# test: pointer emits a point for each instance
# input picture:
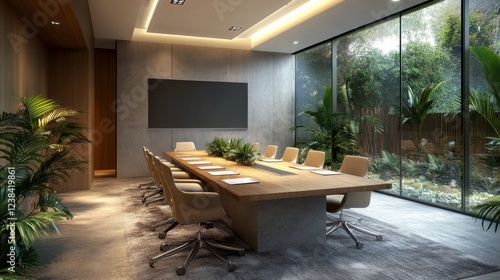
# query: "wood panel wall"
(104, 133)
(23, 61)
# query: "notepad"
(191, 158)
(304, 167)
(209, 167)
(326, 172)
(270, 159)
(199, 162)
(225, 172)
(238, 181)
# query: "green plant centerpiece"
(243, 154)
(36, 144)
(217, 147)
(233, 149)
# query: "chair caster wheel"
(162, 235)
(231, 267)
(359, 245)
(241, 252)
(181, 271)
(164, 247)
(152, 228)
(151, 264)
(379, 237)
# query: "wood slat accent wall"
(69, 85)
(104, 134)
(23, 63)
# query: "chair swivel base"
(199, 242)
(348, 227)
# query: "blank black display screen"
(197, 104)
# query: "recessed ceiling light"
(235, 28)
(177, 2)
(55, 22)
(295, 42)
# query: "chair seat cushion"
(334, 202)
(189, 187)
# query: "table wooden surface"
(271, 186)
(280, 211)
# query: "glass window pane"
(432, 141)
(368, 99)
(484, 172)
(313, 75)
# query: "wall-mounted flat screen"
(197, 104)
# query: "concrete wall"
(271, 93)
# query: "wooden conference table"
(280, 210)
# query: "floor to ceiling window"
(484, 154)
(313, 80)
(432, 137)
(396, 96)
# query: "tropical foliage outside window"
(380, 74)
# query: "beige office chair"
(315, 159)
(291, 154)
(270, 151)
(185, 146)
(358, 166)
(187, 210)
(151, 183)
(187, 185)
(255, 147)
(156, 193)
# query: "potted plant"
(36, 144)
(217, 147)
(243, 154)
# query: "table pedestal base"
(278, 224)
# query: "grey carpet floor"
(401, 255)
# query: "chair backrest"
(271, 151)
(255, 147)
(315, 159)
(154, 172)
(166, 192)
(355, 165)
(358, 166)
(185, 146)
(191, 207)
(149, 159)
(291, 154)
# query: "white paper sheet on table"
(208, 167)
(199, 162)
(191, 158)
(326, 172)
(270, 159)
(225, 172)
(304, 167)
(237, 181)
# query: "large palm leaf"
(490, 63)
(37, 141)
(489, 210)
